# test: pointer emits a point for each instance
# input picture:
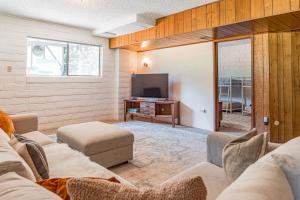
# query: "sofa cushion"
(38, 137)
(66, 162)
(25, 123)
(33, 154)
(16, 187)
(215, 145)
(291, 148)
(213, 177)
(240, 153)
(291, 167)
(264, 179)
(4, 135)
(85, 188)
(10, 161)
(94, 137)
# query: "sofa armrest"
(215, 145)
(25, 123)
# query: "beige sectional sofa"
(62, 160)
(262, 180)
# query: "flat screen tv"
(150, 85)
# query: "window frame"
(68, 43)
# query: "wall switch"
(9, 68)
(266, 121)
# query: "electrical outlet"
(8, 68)
(204, 111)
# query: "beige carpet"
(161, 152)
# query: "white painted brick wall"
(56, 103)
(126, 65)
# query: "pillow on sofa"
(291, 167)
(84, 188)
(11, 161)
(6, 124)
(240, 153)
(4, 135)
(15, 187)
(33, 154)
(260, 181)
(59, 185)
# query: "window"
(57, 58)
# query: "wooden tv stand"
(153, 109)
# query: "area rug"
(161, 152)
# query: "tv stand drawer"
(147, 108)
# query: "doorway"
(234, 92)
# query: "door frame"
(216, 78)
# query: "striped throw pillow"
(33, 154)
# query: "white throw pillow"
(10, 161)
(4, 135)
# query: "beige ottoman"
(106, 144)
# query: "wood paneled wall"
(221, 13)
(277, 83)
(261, 80)
(284, 85)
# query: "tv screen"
(150, 85)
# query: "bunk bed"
(246, 85)
(232, 94)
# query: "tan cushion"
(25, 123)
(84, 188)
(39, 137)
(33, 154)
(261, 181)
(10, 161)
(66, 162)
(15, 187)
(4, 135)
(264, 180)
(213, 177)
(94, 137)
(291, 148)
(240, 153)
(291, 168)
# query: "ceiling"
(96, 15)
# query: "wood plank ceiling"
(222, 19)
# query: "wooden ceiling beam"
(225, 18)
